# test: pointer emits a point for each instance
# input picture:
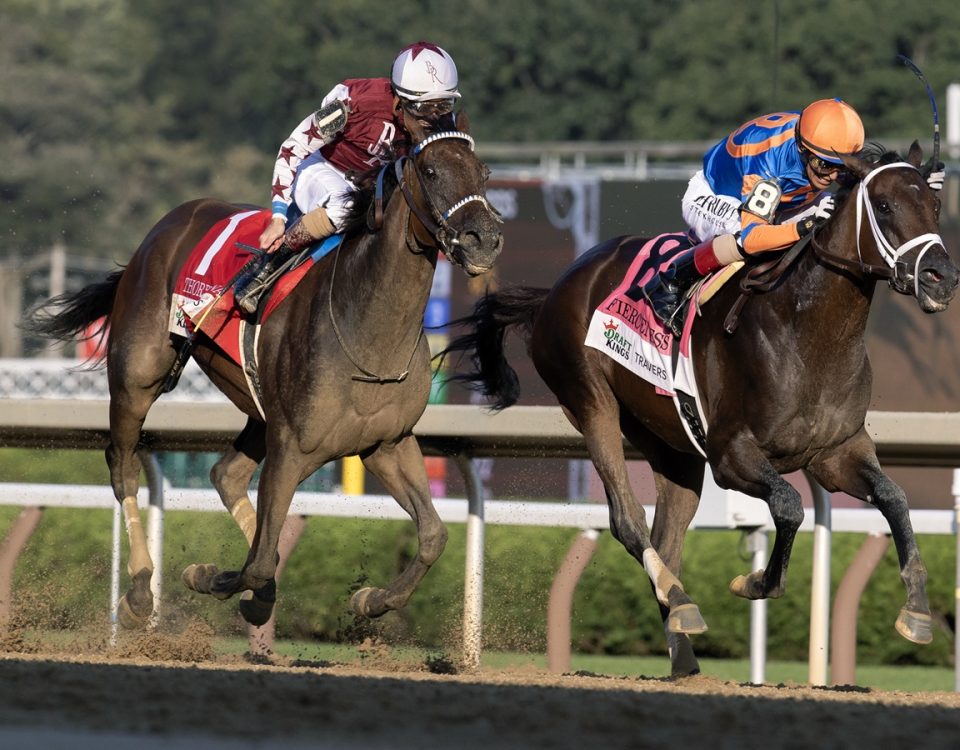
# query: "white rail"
(462, 432)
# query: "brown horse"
(788, 389)
(343, 366)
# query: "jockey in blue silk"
(359, 127)
(764, 170)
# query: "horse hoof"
(128, 619)
(368, 602)
(915, 626)
(255, 611)
(738, 586)
(226, 584)
(199, 577)
(686, 619)
(256, 607)
(750, 586)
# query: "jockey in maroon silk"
(358, 127)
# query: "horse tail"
(492, 317)
(66, 317)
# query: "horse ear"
(915, 155)
(463, 122)
(857, 166)
(414, 127)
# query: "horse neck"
(827, 298)
(384, 281)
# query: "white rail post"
(151, 468)
(757, 544)
(114, 574)
(820, 586)
(473, 566)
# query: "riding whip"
(935, 159)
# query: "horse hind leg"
(231, 477)
(601, 430)
(679, 480)
(401, 470)
(133, 389)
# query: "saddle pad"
(203, 295)
(624, 327)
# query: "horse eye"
(430, 172)
(883, 207)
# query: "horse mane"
(359, 219)
(875, 154)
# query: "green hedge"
(63, 580)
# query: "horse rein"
(763, 277)
(436, 224)
(888, 252)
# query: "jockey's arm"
(317, 129)
(302, 142)
(757, 236)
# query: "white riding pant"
(707, 214)
(319, 183)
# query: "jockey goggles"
(431, 108)
(821, 167)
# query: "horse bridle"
(896, 271)
(436, 223)
(765, 276)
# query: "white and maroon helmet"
(424, 72)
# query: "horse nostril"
(469, 241)
(931, 276)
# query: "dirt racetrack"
(54, 701)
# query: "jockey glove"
(936, 176)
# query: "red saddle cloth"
(200, 298)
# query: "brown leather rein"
(435, 223)
(763, 277)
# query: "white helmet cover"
(423, 71)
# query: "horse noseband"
(437, 223)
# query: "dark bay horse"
(788, 389)
(343, 366)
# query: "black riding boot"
(250, 288)
(665, 290)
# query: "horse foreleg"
(400, 469)
(278, 481)
(231, 478)
(854, 469)
(744, 468)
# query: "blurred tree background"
(114, 111)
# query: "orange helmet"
(829, 127)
